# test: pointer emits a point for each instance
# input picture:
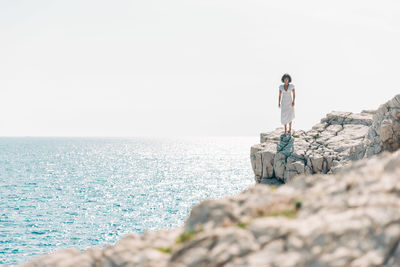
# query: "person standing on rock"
(285, 94)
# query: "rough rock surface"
(351, 218)
(339, 138)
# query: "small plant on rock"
(242, 224)
(165, 250)
(185, 236)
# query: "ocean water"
(82, 192)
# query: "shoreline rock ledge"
(339, 138)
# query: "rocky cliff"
(350, 217)
(339, 138)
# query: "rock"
(329, 145)
(149, 249)
(218, 210)
(263, 159)
(384, 133)
(279, 165)
(316, 163)
(351, 218)
(215, 248)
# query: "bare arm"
(294, 96)
(279, 101)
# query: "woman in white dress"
(285, 93)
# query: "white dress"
(287, 111)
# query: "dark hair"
(286, 75)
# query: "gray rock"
(279, 165)
(340, 137)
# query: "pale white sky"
(190, 67)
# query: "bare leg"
(290, 126)
(285, 128)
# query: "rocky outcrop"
(351, 218)
(332, 211)
(384, 134)
(339, 138)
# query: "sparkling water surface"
(82, 192)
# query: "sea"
(58, 192)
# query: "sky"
(190, 67)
